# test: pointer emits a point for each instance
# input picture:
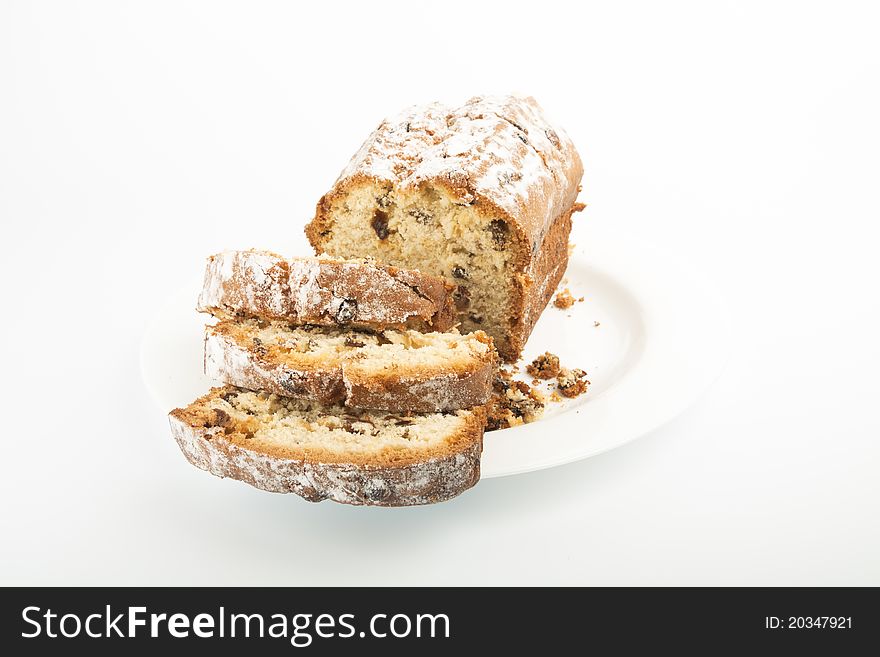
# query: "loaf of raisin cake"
(325, 291)
(481, 194)
(394, 370)
(330, 452)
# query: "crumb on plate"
(545, 366)
(513, 402)
(563, 299)
(572, 383)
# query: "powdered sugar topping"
(500, 148)
(245, 280)
(304, 288)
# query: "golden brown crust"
(537, 284)
(326, 292)
(427, 392)
(370, 295)
(213, 441)
(350, 377)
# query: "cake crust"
(325, 291)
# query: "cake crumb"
(572, 383)
(545, 366)
(564, 299)
(596, 324)
(513, 402)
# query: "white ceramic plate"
(661, 339)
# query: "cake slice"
(325, 291)
(323, 452)
(481, 194)
(396, 370)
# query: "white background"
(743, 138)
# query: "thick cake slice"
(325, 291)
(322, 452)
(396, 370)
(480, 194)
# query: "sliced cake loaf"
(330, 452)
(396, 370)
(325, 291)
(480, 194)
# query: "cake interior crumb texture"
(429, 231)
(299, 429)
(384, 350)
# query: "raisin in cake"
(480, 194)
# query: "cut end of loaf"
(430, 229)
